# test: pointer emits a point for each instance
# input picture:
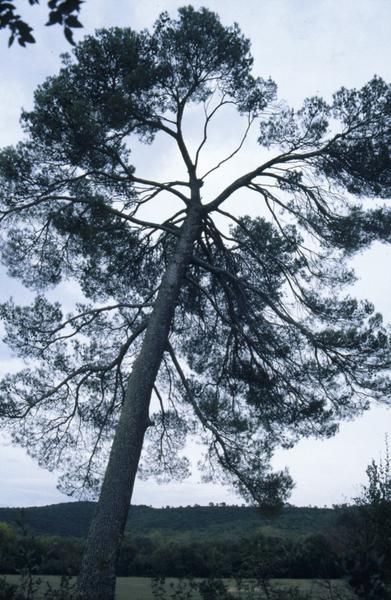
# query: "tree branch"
(237, 149)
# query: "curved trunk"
(97, 576)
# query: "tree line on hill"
(72, 519)
(356, 546)
(357, 543)
(198, 541)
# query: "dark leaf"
(23, 28)
(29, 38)
(6, 6)
(69, 35)
(70, 6)
(54, 18)
(7, 20)
(73, 21)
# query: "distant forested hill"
(73, 518)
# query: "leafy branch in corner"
(61, 12)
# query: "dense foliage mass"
(208, 522)
(218, 541)
(367, 534)
(311, 557)
(272, 351)
(350, 542)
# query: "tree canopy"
(238, 326)
(271, 350)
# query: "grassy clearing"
(317, 588)
(139, 588)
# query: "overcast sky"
(308, 47)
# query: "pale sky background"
(308, 47)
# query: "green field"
(139, 588)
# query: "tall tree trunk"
(97, 576)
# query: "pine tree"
(237, 328)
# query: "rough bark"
(97, 576)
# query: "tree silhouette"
(367, 527)
(236, 327)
